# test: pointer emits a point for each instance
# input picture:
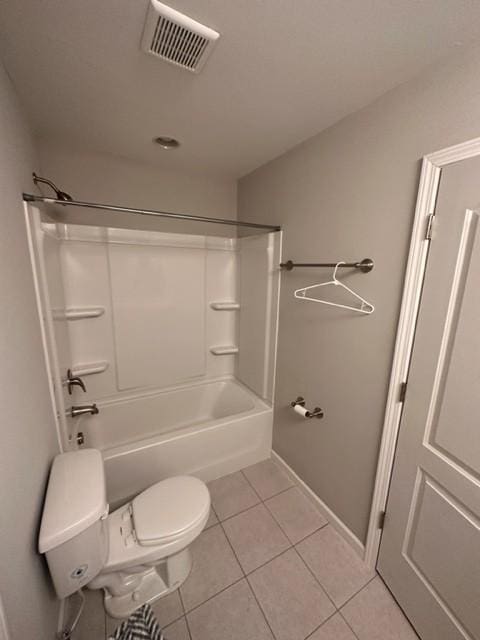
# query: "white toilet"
(136, 554)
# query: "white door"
(430, 548)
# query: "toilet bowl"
(148, 540)
(136, 554)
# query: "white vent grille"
(174, 37)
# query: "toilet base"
(143, 586)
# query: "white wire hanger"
(365, 306)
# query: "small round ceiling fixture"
(166, 142)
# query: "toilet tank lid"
(76, 497)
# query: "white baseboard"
(332, 518)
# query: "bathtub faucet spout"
(83, 409)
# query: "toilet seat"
(184, 499)
(169, 509)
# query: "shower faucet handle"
(74, 381)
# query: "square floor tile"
(255, 537)
(296, 514)
(212, 519)
(292, 600)
(334, 629)
(267, 478)
(374, 615)
(91, 625)
(168, 608)
(232, 494)
(177, 631)
(165, 610)
(231, 615)
(214, 568)
(335, 564)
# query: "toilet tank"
(73, 533)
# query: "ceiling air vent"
(174, 37)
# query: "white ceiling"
(282, 71)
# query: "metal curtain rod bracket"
(28, 197)
(364, 265)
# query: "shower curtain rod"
(28, 197)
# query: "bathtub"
(205, 429)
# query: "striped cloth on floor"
(141, 625)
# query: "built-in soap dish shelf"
(89, 368)
(225, 306)
(79, 313)
(224, 350)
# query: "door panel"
(430, 549)
(461, 341)
(438, 518)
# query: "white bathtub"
(205, 429)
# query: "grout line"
(188, 627)
(234, 515)
(249, 585)
(335, 611)
(238, 512)
(321, 625)
(180, 593)
(250, 484)
(316, 579)
(175, 619)
(233, 550)
(260, 607)
(263, 563)
(327, 524)
(184, 611)
(285, 532)
(200, 604)
(348, 624)
(293, 485)
(357, 592)
(260, 499)
(270, 560)
(181, 604)
(218, 524)
(278, 493)
(323, 587)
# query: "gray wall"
(27, 435)
(349, 193)
(105, 178)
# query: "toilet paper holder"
(300, 404)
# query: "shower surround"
(174, 336)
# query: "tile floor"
(268, 566)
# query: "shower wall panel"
(259, 278)
(153, 294)
(158, 304)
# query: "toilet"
(136, 554)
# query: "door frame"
(417, 259)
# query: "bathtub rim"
(132, 395)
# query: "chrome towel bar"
(364, 265)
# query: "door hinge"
(428, 232)
(381, 519)
(403, 392)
